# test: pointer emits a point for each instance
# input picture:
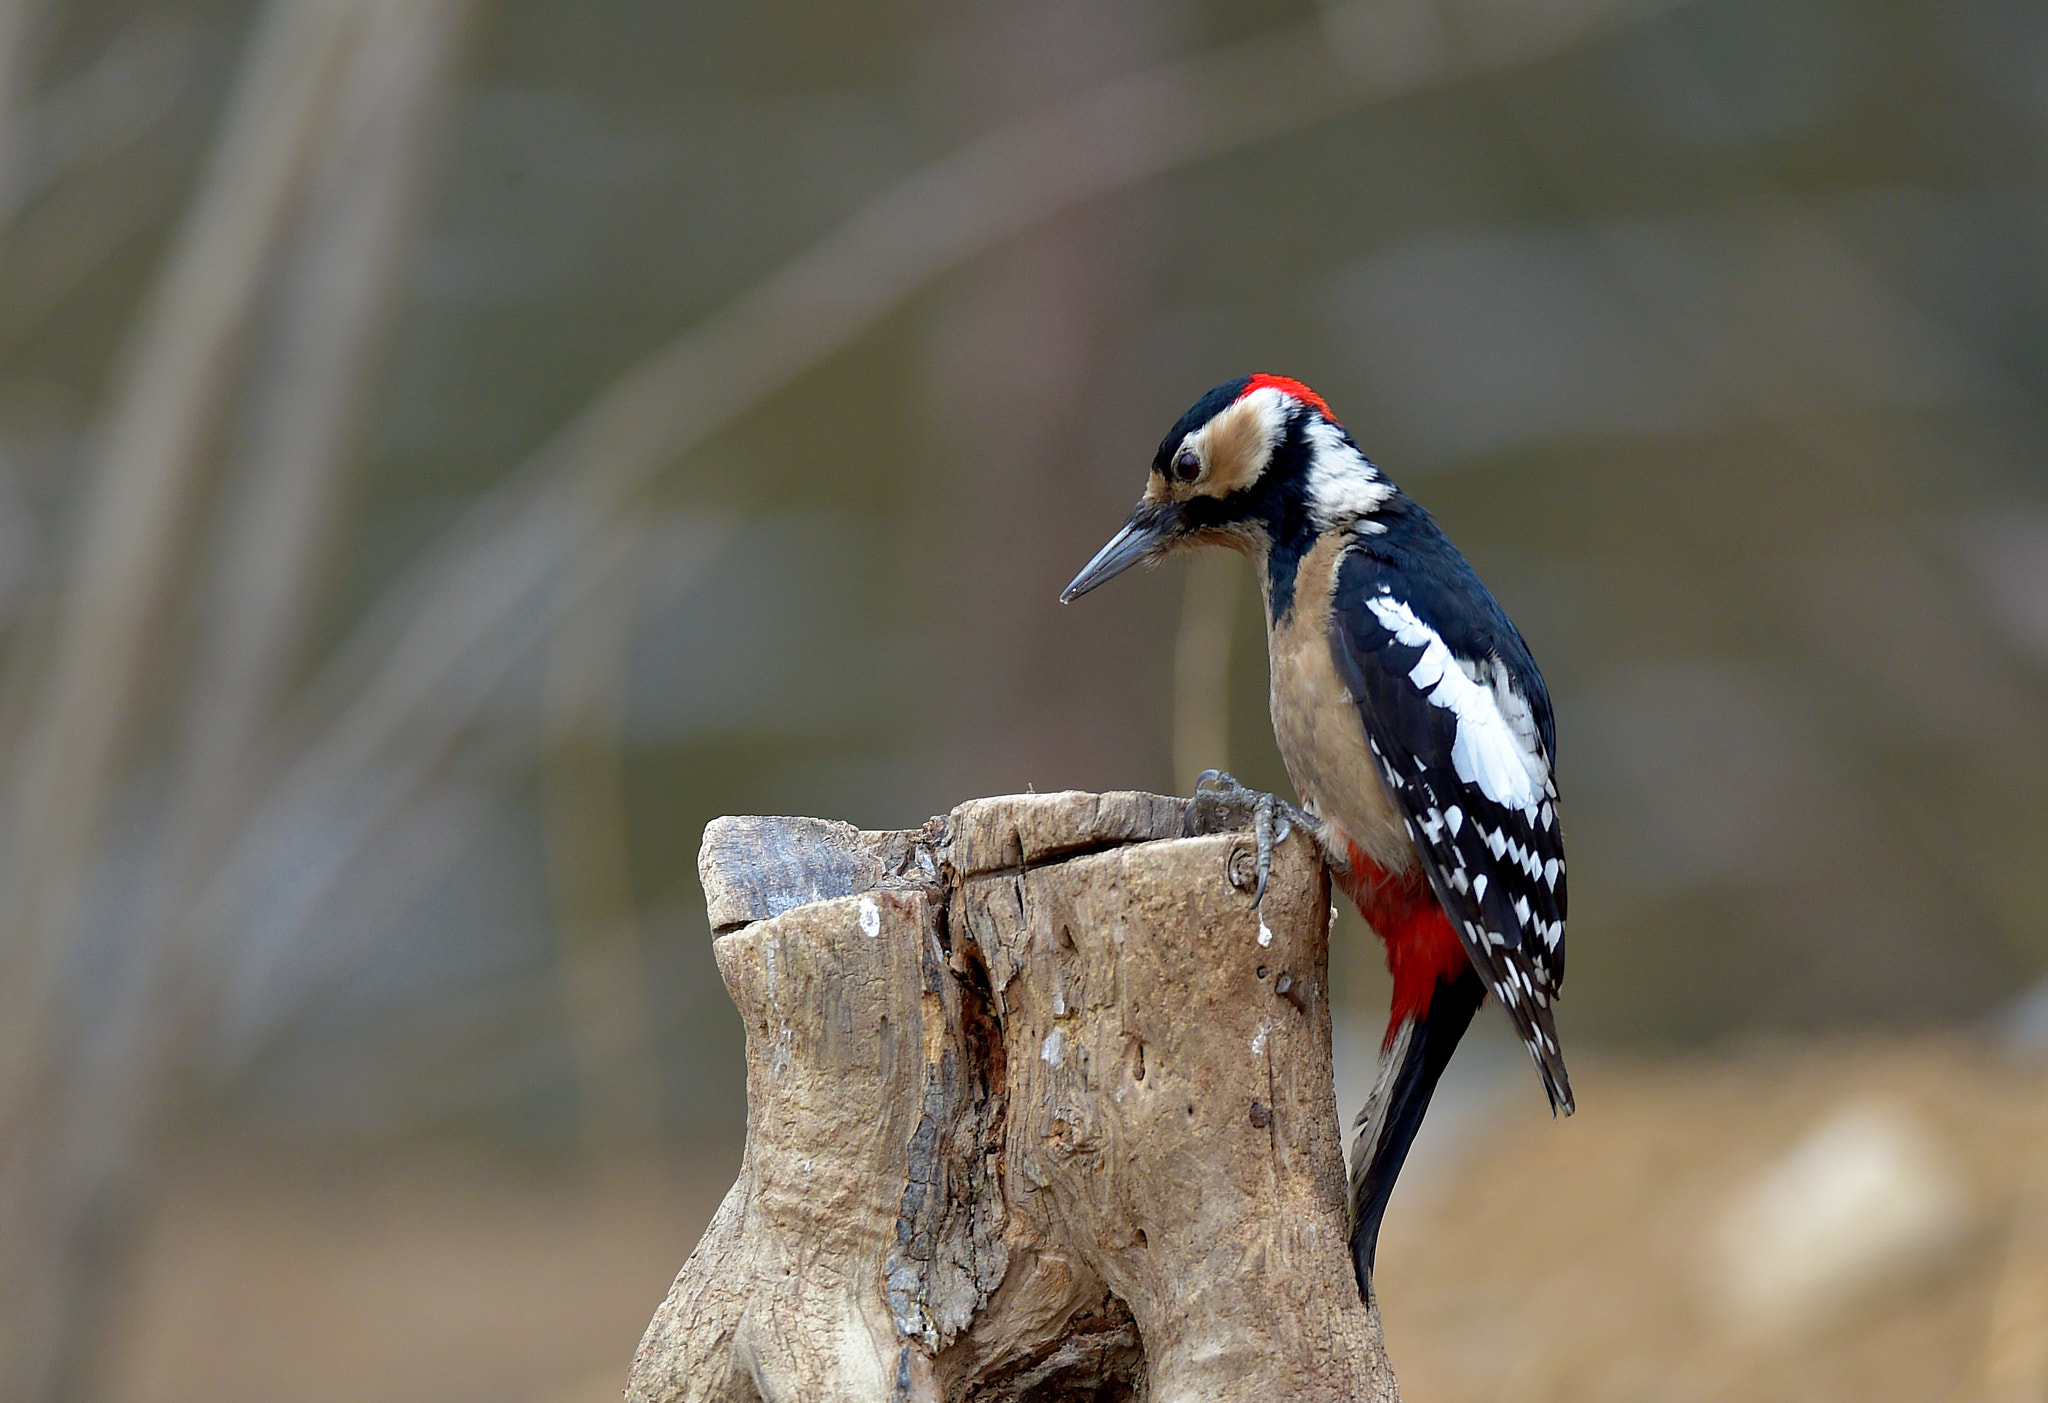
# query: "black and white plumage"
(1459, 720)
(1413, 722)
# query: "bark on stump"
(1038, 1109)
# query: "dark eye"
(1187, 467)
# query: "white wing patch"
(1495, 747)
(1342, 486)
(1514, 707)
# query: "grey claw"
(1273, 820)
(1263, 829)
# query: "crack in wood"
(998, 1144)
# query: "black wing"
(1459, 720)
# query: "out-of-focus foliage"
(448, 452)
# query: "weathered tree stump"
(1039, 1108)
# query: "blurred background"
(451, 450)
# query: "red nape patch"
(1422, 949)
(1289, 387)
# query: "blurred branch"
(282, 502)
(588, 854)
(326, 105)
(62, 146)
(18, 49)
(60, 242)
(309, 851)
(117, 99)
(438, 641)
(336, 296)
(145, 476)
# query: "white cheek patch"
(1342, 485)
(1237, 445)
(1490, 750)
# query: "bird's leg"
(1221, 803)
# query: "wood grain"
(1038, 1108)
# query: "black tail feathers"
(1539, 1033)
(1408, 1076)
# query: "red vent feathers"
(1289, 387)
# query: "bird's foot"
(1221, 803)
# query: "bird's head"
(1254, 460)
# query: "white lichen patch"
(870, 918)
(1053, 1048)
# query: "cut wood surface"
(1039, 1108)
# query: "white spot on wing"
(870, 918)
(1052, 1048)
(1495, 745)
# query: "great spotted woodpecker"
(1413, 723)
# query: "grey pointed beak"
(1149, 532)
